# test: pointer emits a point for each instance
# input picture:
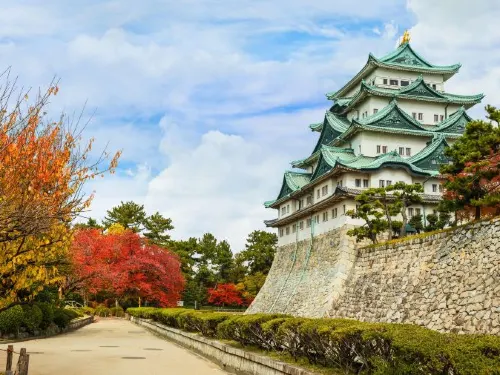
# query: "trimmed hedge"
(349, 345)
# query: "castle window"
(302, 203)
(287, 208)
(434, 188)
(308, 223)
(287, 231)
(441, 117)
(378, 149)
(405, 83)
(384, 149)
(420, 116)
(408, 151)
(339, 183)
(401, 151)
(375, 110)
(283, 211)
(417, 211)
(344, 208)
(381, 183)
(281, 232)
(410, 212)
(385, 81)
(309, 200)
(434, 86)
(365, 183)
(414, 115)
(334, 213)
(325, 216)
(324, 190)
(388, 183)
(316, 219)
(358, 182)
(436, 118)
(294, 228)
(317, 194)
(393, 82)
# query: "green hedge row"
(352, 346)
(36, 317)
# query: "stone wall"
(307, 276)
(448, 281)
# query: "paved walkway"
(110, 347)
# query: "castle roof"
(417, 90)
(403, 58)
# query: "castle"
(391, 122)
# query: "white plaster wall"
(428, 186)
(427, 109)
(370, 140)
(390, 174)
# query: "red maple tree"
(225, 294)
(126, 265)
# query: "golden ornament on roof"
(406, 38)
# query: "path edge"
(72, 326)
(230, 359)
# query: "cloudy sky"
(211, 99)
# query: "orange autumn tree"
(43, 168)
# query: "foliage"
(473, 174)
(406, 195)
(417, 222)
(11, 319)
(125, 265)
(156, 227)
(33, 317)
(102, 311)
(371, 211)
(438, 220)
(90, 224)
(44, 168)
(250, 286)
(129, 215)
(47, 314)
(348, 345)
(259, 251)
(61, 318)
(117, 311)
(225, 294)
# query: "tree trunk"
(405, 221)
(478, 212)
(389, 222)
(139, 301)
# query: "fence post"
(22, 363)
(8, 367)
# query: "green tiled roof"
(292, 181)
(316, 127)
(432, 157)
(417, 90)
(392, 119)
(403, 58)
(333, 126)
(455, 123)
(342, 152)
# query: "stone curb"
(229, 358)
(73, 325)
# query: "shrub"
(33, 317)
(11, 319)
(87, 310)
(190, 320)
(47, 314)
(61, 318)
(168, 316)
(71, 314)
(117, 311)
(142, 312)
(102, 311)
(247, 329)
(210, 321)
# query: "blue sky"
(211, 99)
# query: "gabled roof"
(403, 58)
(455, 123)
(332, 127)
(292, 181)
(392, 119)
(417, 90)
(432, 156)
(345, 153)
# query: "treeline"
(213, 274)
